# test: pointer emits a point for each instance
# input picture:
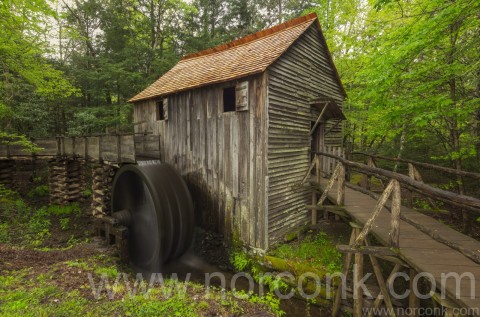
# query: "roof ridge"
(252, 37)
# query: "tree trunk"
(454, 129)
(400, 150)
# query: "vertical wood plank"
(413, 300)
(243, 158)
(252, 193)
(395, 211)
(221, 164)
(341, 185)
(357, 290)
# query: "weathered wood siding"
(222, 156)
(145, 117)
(299, 76)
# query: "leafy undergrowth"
(316, 251)
(49, 266)
(89, 282)
(41, 227)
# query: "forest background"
(411, 68)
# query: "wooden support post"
(346, 268)
(58, 181)
(357, 290)
(341, 186)
(395, 222)
(314, 210)
(371, 163)
(75, 180)
(413, 300)
(316, 161)
(102, 177)
(411, 174)
(380, 281)
(379, 299)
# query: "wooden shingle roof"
(243, 57)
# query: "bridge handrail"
(424, 165)
(393, 190)
(464, 201)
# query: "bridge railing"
(414, 165)
(464, 182)
(395, 183)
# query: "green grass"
(39, 191)
(29, 293)
(29, 226)
(64, 288)
(316, 251)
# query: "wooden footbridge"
(66, 157)
(448, 261)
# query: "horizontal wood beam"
(333, 209)
(380, 251)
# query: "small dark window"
(229, 99)
(160, 110)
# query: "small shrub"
(110, 272)
(87, 192)
(4, 236)
(73, 241)
(65, 223)
(39, 191)
(240, 261)
(7, 194)
(78, 264)
(68, 210)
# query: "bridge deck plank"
(418, 249)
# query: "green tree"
(29, 83)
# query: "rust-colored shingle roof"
(246, 56)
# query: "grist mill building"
(239, 121)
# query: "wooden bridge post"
(341, 290)
(57, 181)
(316, 159)
(314, 210)
(102, 177)
(75, 179)
(411, 174)
(340, 187)
(413, 300)
(357, 290)
(395, 210)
